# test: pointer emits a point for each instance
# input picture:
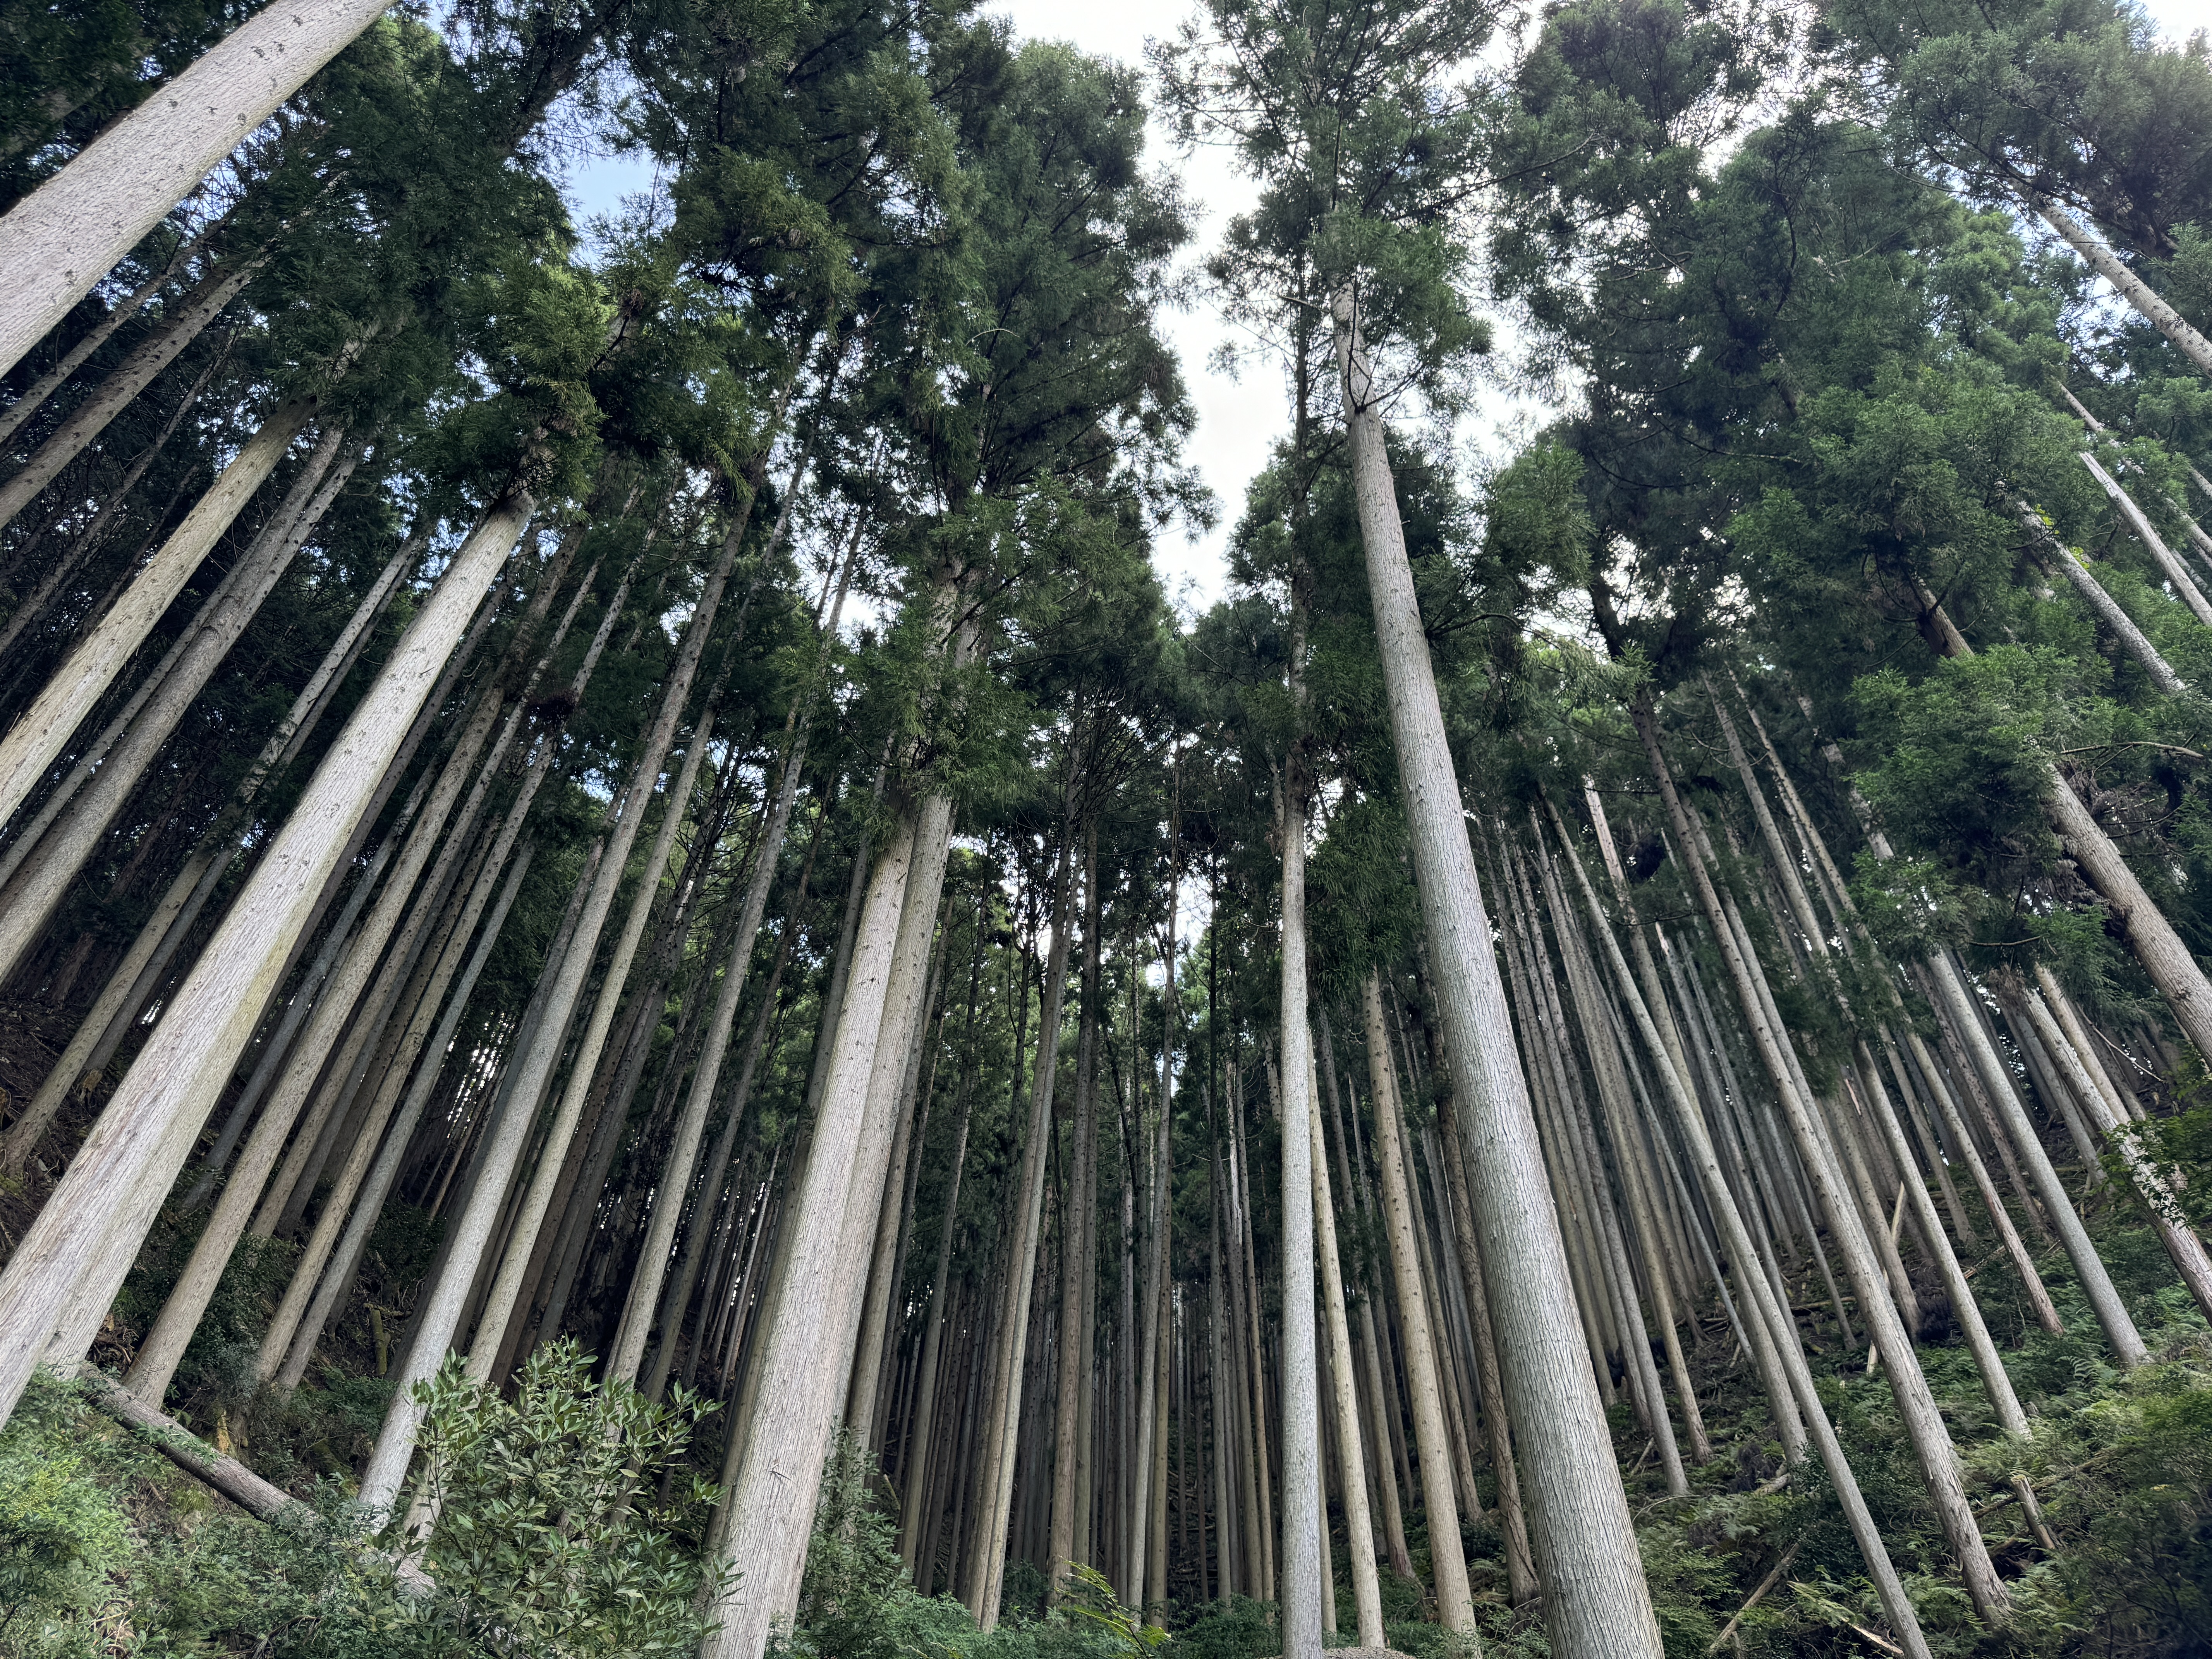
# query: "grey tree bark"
(1454, 1598)
(994, 1472)
(295, 1329)
(1923, 1424)
(114, 394)
(165, 1344)
(2132, 288)
(44, 729)
(67, 234)
(1782, 1348)
(1300, 1573)
(35, 395)
(1595, 1602)
(30, 898)
(149, 1127)
(1078, 1277)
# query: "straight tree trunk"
(34, 396)
(1359, 1531)
(1595, 1602)
(148, 1129)
(1770, 1310)
(295, 1331)
(30, 899)
(773, 1466)
(911, 1544)
(44, 729)
(2132, 288)
(173, 1331)
(439, 1315)
(87, 541)
(695, 1246)
(134, 979)
(995, 1469)
(1923, 1424)
(1454, 1600)
(1300, 1574)
(190, 315)
(1077, 1287)
(67, 234)
(628, 1351)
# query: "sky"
(1240, 415)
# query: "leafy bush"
(61, 1531)
(548, 1539)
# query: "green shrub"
(61, 1533)
(548, 1538)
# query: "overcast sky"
(1238, 418)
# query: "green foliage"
(1241, 1628)
(1091, 1598)
(61, 1531)
(546, 1535)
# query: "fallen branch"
(1764, 1585)
(1885, 1645)
(258, 1498)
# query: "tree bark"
(438, 1316)
(1595, 1602)
(1078, 1280)
(45, 728)
(114, 394)
(2132, 288)
(1939, 1460)
(30, 899)
(1454, 1600)
(148, 1129)
(165, 1344)
(34, 396)
(776, 1468)
(295, 1330)
(994, 1472)
(1359, 1531)
(67, 234)
(1765, 1307)
(1299, 1576)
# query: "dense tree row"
(589, 820)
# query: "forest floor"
(108, 1548)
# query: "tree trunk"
(919, 1564)
(295, 1329)
(190, 315)
(1379, 1408)
(628, 1351)
(1595, 1602)
(67, 234)
(1359, 1531)
(165, 1344)
(438, 1316)
(1078, 1281)
(1765, 1307)
(1939, 1460)
(2181, 1244)
(695, 1246)
(149, 1127)
(34, 396)
(44, 729)
(1454, 1600)
(994, 1472)
(32, 896)
(134, 980)
(773, 1473)
(2132, 288)
(1299, 1576)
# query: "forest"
(655, 999)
